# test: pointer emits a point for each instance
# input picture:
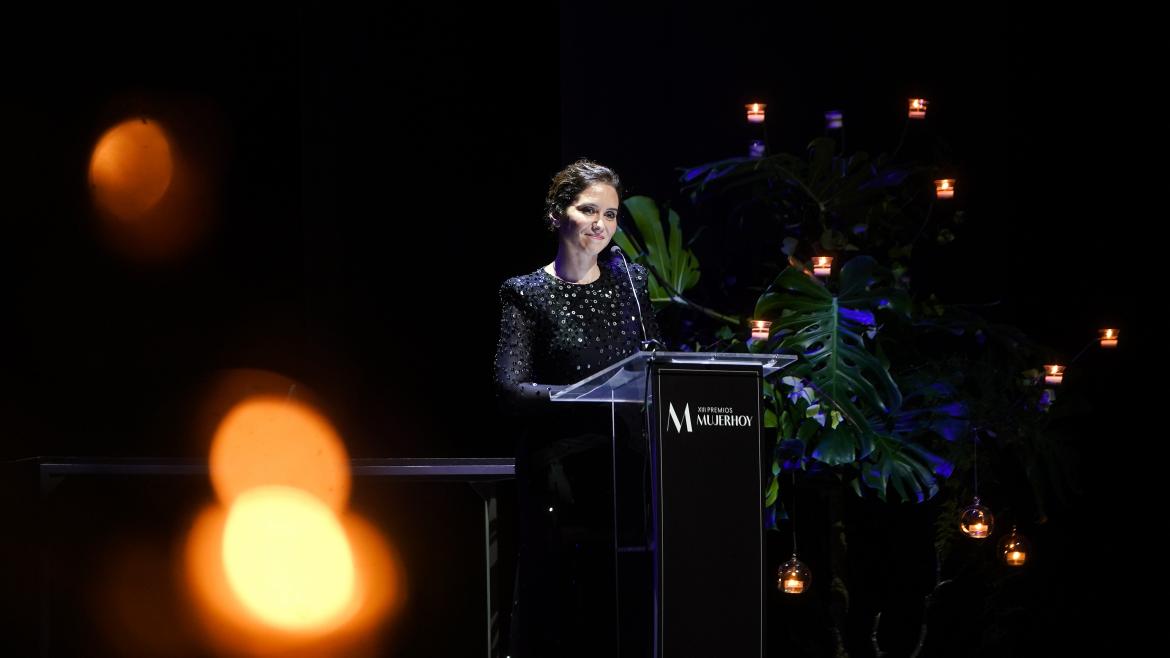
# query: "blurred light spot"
(131, 168)
(153, 184)
(225, 388)
(288, 560)
(267, 440)
(279, 567)
(232, 627)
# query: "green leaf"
(827, 334)
(770, 419)
(899, 481)
(866, 284)
(874, 480)
(674, 268)
(903, 465)
(786, 428)
(855, 485)
(808, 429)
(835, 447)
(684, 266)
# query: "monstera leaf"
(826, 332)
(848, 203)
(732, 173)
(824, 176)
(674, 268)
(932, 405)
(911, 470)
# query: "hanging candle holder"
(1014, 548)
(976, 521)
(793, 577)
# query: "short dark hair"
(571, 181)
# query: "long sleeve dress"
(554, 333)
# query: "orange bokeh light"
(153, 183)
(267, 440)
(288, 560)
(279, 568)
(379, 591)
(131, 168)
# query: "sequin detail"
(555, 333)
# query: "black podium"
(704, 419)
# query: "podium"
(704, 419)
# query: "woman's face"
(590, 221)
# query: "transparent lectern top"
(625, 381)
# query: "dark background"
(380, 173)
(372, 172)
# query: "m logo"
(673, 418)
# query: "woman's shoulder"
(523, 284)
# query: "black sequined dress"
(554, 333)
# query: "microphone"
(648, 345)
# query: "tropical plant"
(888, 391)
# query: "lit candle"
(822, 265)
(757, 149)
(976, 521)
(1016, 558)
(755, 112)
(1053, 374)
(792, 576)
(761, 329)
(1109, 337)
(944, 188)
(917, 108)
(834, 119)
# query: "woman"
(567, 320)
